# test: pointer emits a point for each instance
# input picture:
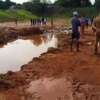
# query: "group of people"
(78, 22)
(38, 21)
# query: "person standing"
(83, 24)
(96, 29)
(31, 20)
(75, 30)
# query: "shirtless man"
(96, 29)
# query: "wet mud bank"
(43, 45)
(8, 34)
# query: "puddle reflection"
(20, 52)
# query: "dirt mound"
(29, 31)
(5, 84)
(8, 34)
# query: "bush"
(85, 11)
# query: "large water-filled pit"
(21, 51)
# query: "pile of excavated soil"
(8, 34)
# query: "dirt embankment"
(8, 34)
(83, 67)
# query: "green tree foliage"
(6, 4)
(73, 3)
(97, 5)
(85, 3)
(39, 7)
(1, 4)
(64, 3)
(35, 1)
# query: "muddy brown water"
(20, 52)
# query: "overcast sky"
(21, 1)
(92, 1)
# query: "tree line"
(73, 3)
(6, 4)
(45, 7)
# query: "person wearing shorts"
(75, 30)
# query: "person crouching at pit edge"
(75, 30)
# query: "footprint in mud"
(50, 89)
(2, 97)
(94, 97)
(59, 98)
(65, 97)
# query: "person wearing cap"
(75, 30)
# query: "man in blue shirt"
(75, 30)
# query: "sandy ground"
(80, 70)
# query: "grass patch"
(10, 15)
